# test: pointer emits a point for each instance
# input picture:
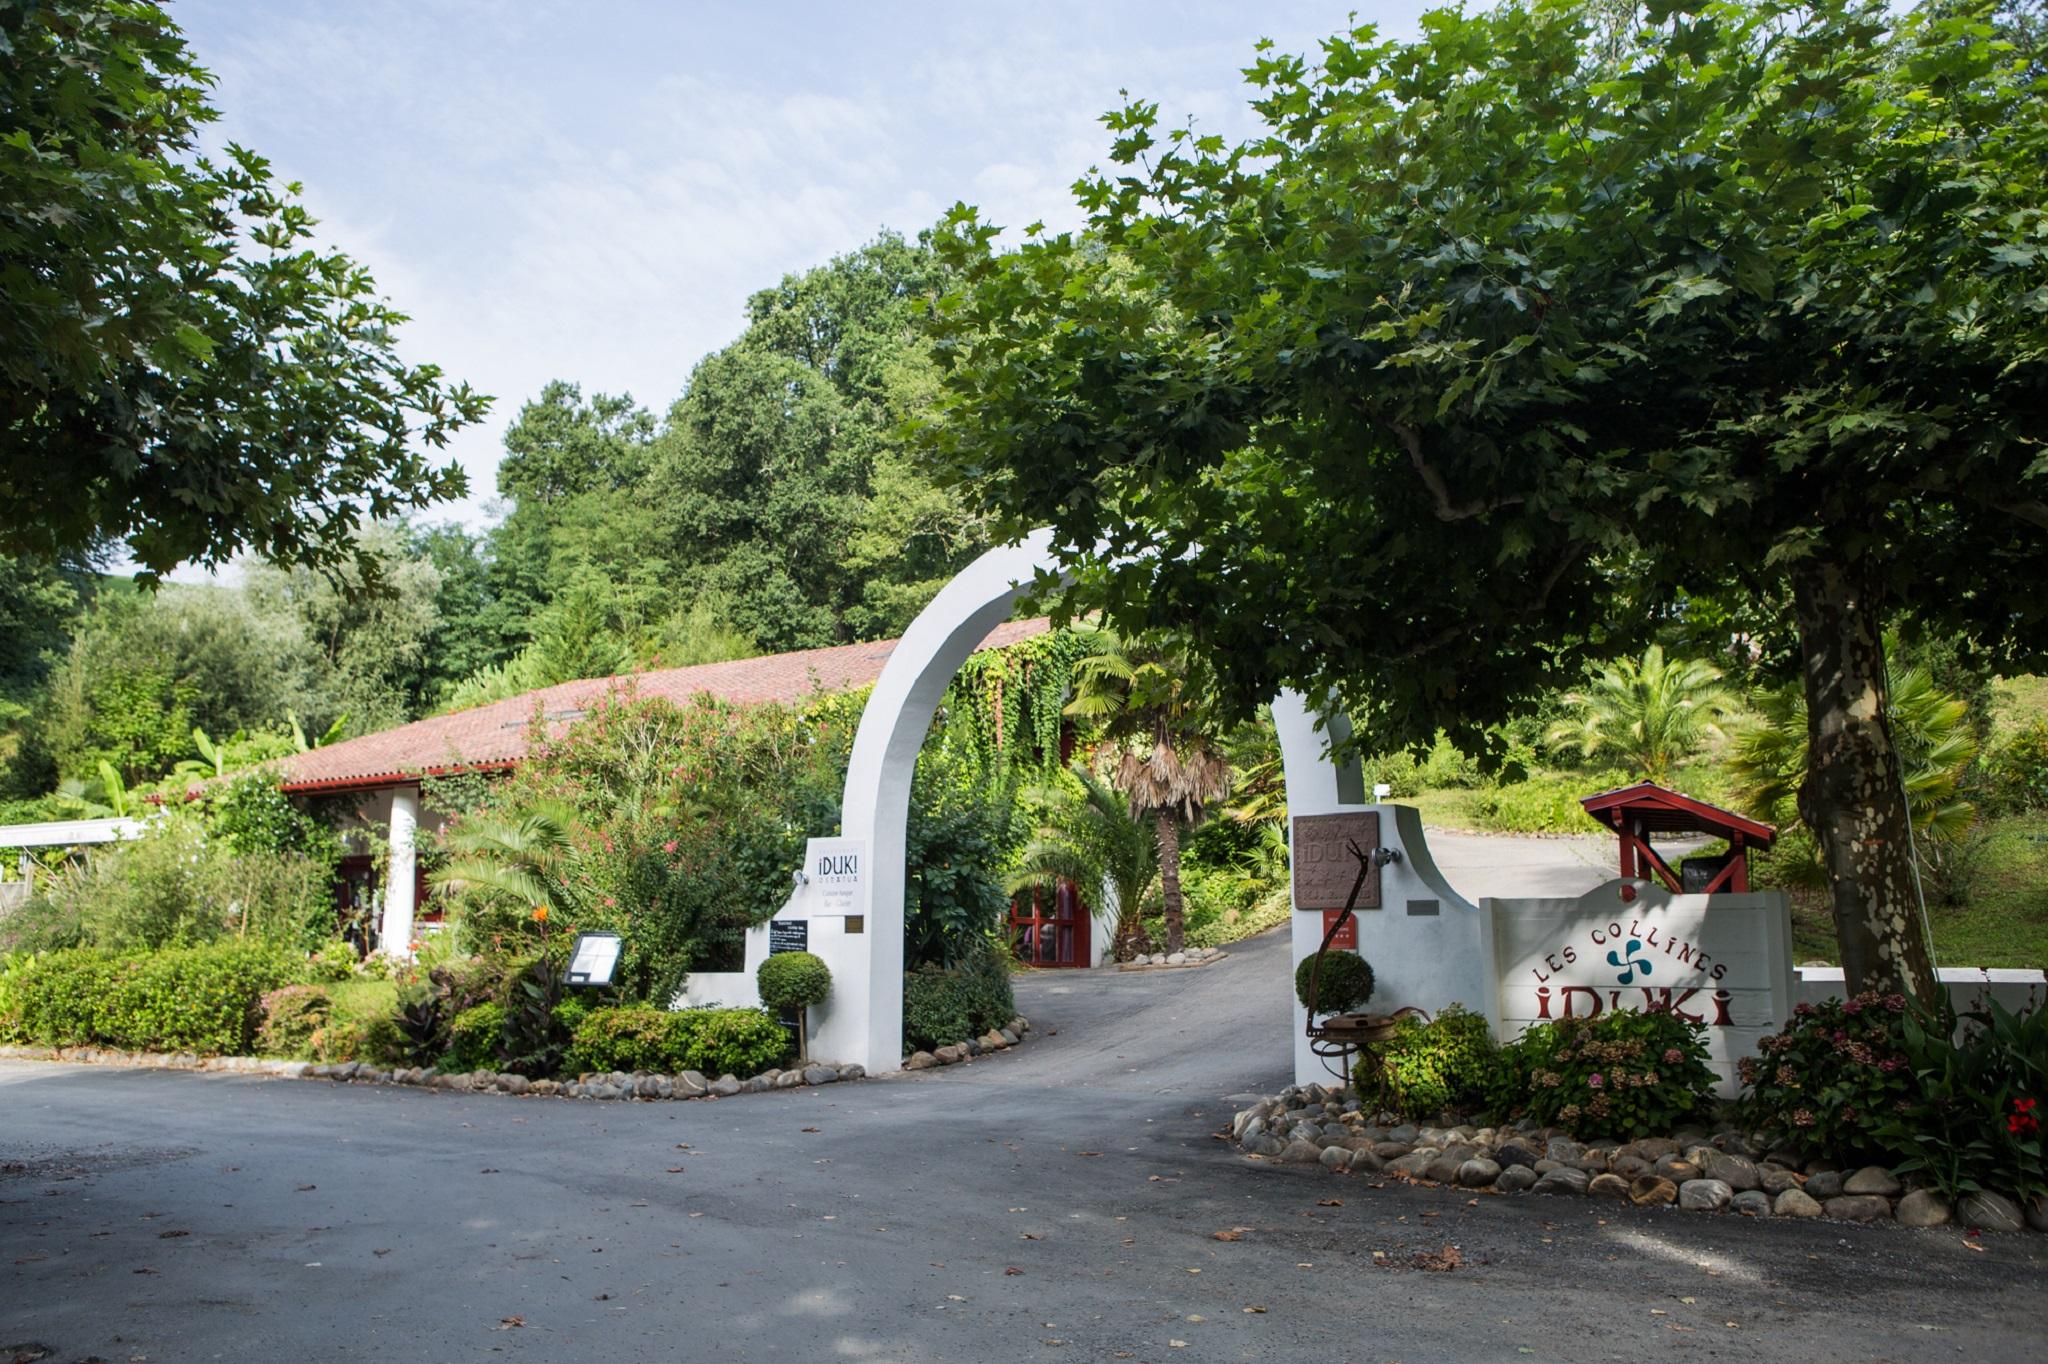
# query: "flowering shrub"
(1625, 1073)
(1831, 1077)
(1972, 1117)
(290, 1017)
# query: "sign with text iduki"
(836, 868)
(1728, 967)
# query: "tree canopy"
(186, 374)
(1392, 398)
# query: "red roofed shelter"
(1645, 809)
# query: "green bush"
(714, 1041)
(291, 1016)
(1973, 1118)
(1427, 1068)
(475, 1037)
(793, 980)
(2018, 770)
(1827, 1080)
(334, 962)
(735, 1041)
(1625, 1073)
(1343, 982)
(200, 999)
(1545, 804)
(942, 1005)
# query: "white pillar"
(398, 884)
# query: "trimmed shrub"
(1427, 1068)
(735, 1041)
(291, 1017)
(1345, 982)
(945, 1005)
(793, 980)
(199, 999)
(1626, 1073)
(1827, 1080)
(475, 1037)
(334, 962)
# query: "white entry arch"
(863, 1019)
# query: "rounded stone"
(1515, 1178)
(1824, 1184)
(1859, 1208)
(1989, 1212)
(1651, 1191)
(1517, 1153)
(1478, 1173)
(1415, 1164)
(1676, 1168)
(1564, 1180)
(1305, 1151)
(920, 1060)
(1364, 1162)
(1269, 1146)
(1872, 1179)
(1739, 1173)
(1176, 958)
(1391, 1150)
(2037, 1212)
(821, 1075)
(1923, 1208)
(1704, 1195)
(725, 1086)
(1751, 1203)
(1607, 1186)
(1775, 1179)
(1796, 1203)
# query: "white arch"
(862, 1021)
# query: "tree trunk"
(1168, 824)
(1853, 799)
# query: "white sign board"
(1728, 967)
(593, 960)
(836, 868)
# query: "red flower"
(2022, 1122)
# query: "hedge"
(713, 1041)
(197, 999)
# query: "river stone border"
(1177, 961)
(1721, 1171)
(689, 1084)
(1011, 1034)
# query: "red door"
(1049, 928)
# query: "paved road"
(1505, 865)
(1056, 1203)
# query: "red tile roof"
(494, 735)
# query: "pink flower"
(1672, 1056)
(669, 846)
(1852, 1007)
(1596, 1079)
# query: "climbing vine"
(1015, 697)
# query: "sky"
(590, 192)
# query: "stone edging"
(1314, 1124)
(1011, 1034)
(1164, 961)
(617, 1085)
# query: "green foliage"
(1545, 804)
(1831, 1077)
(1015, 699)
(334, 962)
(1625, 1073)
(1343, 982)
(674, 826)
(964, 828)
(2019, 769)
(1442, 766)
(1427, 1069)
(944, 1005)
(711, 1041)
(476, 1038)
(291, 1016)
(198, 999)
(1652, 714)
(1088, 837)
(151, 293)
(793, 980)
(1974, 1113)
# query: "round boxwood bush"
(793, 980)
(1345, 983)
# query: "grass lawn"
(362, 999)
(2004, 921)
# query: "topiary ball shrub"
(1344, 984)
(793, 980)
(1428, 1068)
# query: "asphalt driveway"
(1059, 1202)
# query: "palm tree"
(511, 861)
(1930, 729)
(1169, 762)
(1653, 713)
(1093, 840)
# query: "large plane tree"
(1390, 398)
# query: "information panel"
(835, 867)
(1324, 867)
(593, 960)
(789, 935)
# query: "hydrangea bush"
(1624, 1073)
(1827, 1081)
